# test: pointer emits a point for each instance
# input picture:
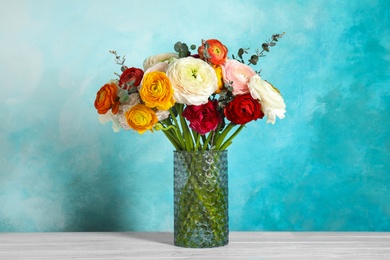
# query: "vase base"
(201, 245)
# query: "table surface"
(242, 245)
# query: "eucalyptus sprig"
(255, 57)
(182, 49)
(120, 61)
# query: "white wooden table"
(243, 245)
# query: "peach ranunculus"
(238, 75)
(213, 51)
(156, 91)
(163, 57)
(141, 118)
(271, 101)
(107, 98)
(193, 80)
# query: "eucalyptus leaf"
(265, 47)
(254, 59)
(177, 46)
(240, 52)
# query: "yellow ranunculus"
(141, 118)
(156, 91)
(218, 72)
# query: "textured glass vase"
(201, 199)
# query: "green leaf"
(254, 59)
(240, 52)
(265, 47)
(177, 46)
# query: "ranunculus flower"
(107, 98)
(156, 91)
(193, 80)
(162, 114)
(133, 100)
(110, 117)
(243, 109)
(131, 77)
(159, 66)
(218, 72)
(271, 101)
(203, 118)
(213, 51)
(238, 74)
(141, 118)
(149, 62)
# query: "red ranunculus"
(131, 77)
(243, 109)
(203, 118)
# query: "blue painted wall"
(326, 166)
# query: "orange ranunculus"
(213, 51)
(141, 118)
(218, 72)
(156, 91)
(107, 99)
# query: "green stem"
(222, 136)
(197, 138)
(229, 141)
(217, 132)
(171, 133)
(207, 141)
(189, 142)
(168, 134)
(179, 135)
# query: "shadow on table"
(158, 237)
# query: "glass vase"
(201, 199)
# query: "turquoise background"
(326, 166)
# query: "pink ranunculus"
(203, 118)
(238, 74)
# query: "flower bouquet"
(200, 101)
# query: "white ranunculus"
(193, 80)
(271, 101)
(164, 57)
(162, 114)
(109, 116)
(159, 66)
